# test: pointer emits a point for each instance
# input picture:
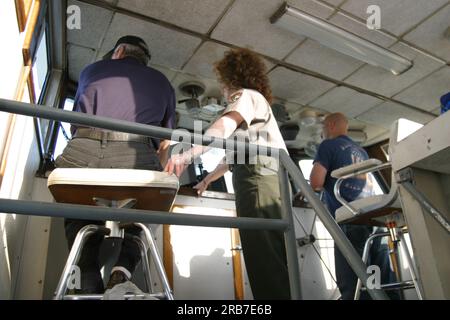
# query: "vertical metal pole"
(365, 257)
(341, 241)
(412, 265)
(74, 256)
(145, 263)
(156, 259)
(289, 234)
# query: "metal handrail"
(337, 185)
(33, 208)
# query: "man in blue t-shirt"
(337, 151)
(121, 86)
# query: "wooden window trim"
(23, 8)
(29, 32)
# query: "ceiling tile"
(360, 29)
(297, 87)
(436, 111)
(314, 56)
(168, 48)
(385, 114)
(202, 61)
(379, 80)
(335, 3)
(169, 73)
(94, 22)
(426, 94)
(244, 26)
(345, 100)
(79, 57)
(293, 108)
(430, 35)
(194, 15)
(397, 16)
(372, 131)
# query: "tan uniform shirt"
(259, 125)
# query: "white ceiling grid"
(345, 100)
(189, 14)
(397, 16)
(183, 53)
(247, 24)
(385, 114)
(297, 87)
(168, 48)
(385, 83)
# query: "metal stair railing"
(286, 168)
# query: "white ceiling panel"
(379, 80)
(426, 94)
(397, 16)
(314, 56)
(194, 15)
(372, 131)
(430, 35)
(293, 108)
(335, 3)
(247, 25)
(79, 57)
(202, 61)
(168, 48)
(345, 100)
(360, 29)
(94, 22)
(169, 73)
(297, 87)
(437, 111)
(385, 114)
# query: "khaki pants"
(90, 153)
(258, 196)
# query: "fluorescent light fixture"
(338, 39)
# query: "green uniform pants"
(258, 196)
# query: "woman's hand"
(177, 164)
(201, 186)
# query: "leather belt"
(102, 135)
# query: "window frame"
(23, 10)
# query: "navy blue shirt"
(125, 89)
(334, 154)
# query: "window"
(307, 165)
(64, 134)
(40, 67)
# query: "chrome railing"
(287, 168)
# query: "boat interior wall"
(22, 162)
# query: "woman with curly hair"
(248, 116)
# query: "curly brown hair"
(243, 69)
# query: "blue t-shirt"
(334, 154)
(125, 89)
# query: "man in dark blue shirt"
(337, 151)
(121, 86)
